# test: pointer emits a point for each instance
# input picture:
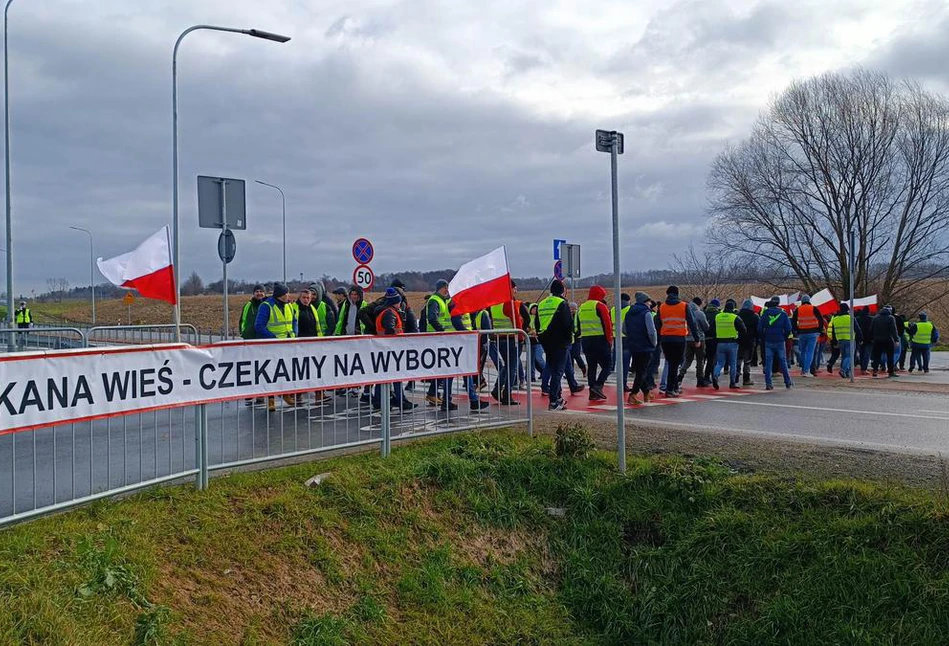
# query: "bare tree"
(706, 273)
(835, 154)
(193, 286)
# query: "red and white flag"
(825, 303)
(148, 269)
(481, 283)
(866, 301)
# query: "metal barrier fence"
(41, 338)
(140, 334)
(54, 468)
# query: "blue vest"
(636, 336)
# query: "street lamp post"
(176, 261)
(283, 201)
(92, 271)
(6, 167)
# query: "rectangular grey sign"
(209, 202)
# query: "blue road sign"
(557, 244)
(363, 251)
(558, 270)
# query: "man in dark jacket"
(899, 356)
(749, 341)
(864, 323)
(774, 328)
(885, 341)
(249, 313)
(643, 339)
(555, 333)
(674, 322)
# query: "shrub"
(573, 441)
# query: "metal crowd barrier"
(140, 334)
(55, 468)
(40, 338)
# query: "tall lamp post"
(283, 201)
(6, 167)
(92, 271)
(176, 261)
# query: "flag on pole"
(147, 269)
(824, 302)
(866, 301)
(481, 283)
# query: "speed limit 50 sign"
(363, 277)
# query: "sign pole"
(617, 336)
(227, 323)
(611, 141)
(853, 339)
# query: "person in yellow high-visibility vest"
(24, 316)
(923, 335)
(277, 319)
(840, 339)
(554, 327)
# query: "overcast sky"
(439, 130)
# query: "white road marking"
(835, 410)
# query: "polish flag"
(481, 283)
(147, 269)
(866, 301)
(824, 302)
(759, 303)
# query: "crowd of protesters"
(554, 339)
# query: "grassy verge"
(450, 542)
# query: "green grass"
(449, 542)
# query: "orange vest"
(398, 321)
(673, 320)
(806, 318)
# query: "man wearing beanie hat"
(277, 319)
(808, 323)
(640, 330)
(340, 297)
(389, 322)
(674, 322)
(774, 327)
(696, 351)
(728, 328)
(554, 326)
(714, 307)
(840, 341)
(249, 313)
(438, 317)
(249, 319)
(923, 335)
(627, 357)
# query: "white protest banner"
(42, 389)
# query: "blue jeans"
(846, 363)
(727, 351)
(538, 364)
(897, 352)
(521, 375)
(664, 377)
(569, 372)
(771, 350)
(807, 344)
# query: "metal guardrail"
(41, 338)
(140, 334)
(55, 468)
